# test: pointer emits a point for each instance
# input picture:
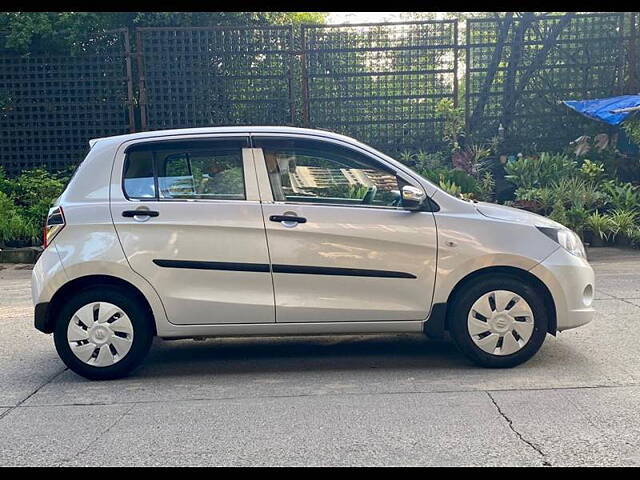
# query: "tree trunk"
(478, 111)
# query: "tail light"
(55, 223)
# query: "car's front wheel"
(498, 321)
(103, 333)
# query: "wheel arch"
(90, 281)
(516, 272)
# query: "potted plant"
(598, 226)
(623, 223)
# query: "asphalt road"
(359, 400)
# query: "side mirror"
(412, 197)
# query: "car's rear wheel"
(498, 321)
(103, 333)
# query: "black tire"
(464, 300)
(141, 321)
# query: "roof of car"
(209, 130)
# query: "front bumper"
(41, 320)
(571, 281)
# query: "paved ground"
(374, 400)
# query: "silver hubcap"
(100, 334)
(500, 322)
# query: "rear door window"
(187, 170)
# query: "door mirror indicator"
(412, 197)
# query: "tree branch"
(478, 111)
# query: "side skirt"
(278, 329)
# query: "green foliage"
(474, 160)
(486, 187)
(60, 31)
(622, 222)
(539, 171)
(599, 224)
(632, 129)
(450, 187)
(453, 121)
(576, 218)
(621, 196)
(463, 182)
(24, 204)
(592, 171)
(634, 237)
(559, 213)
(422, 161)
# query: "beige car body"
(440, 249)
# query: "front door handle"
(140, 213)
(287, 218)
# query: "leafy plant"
(621, 196)
(559, 213)
(592, 171)
(632, 129)
(422, 161)
(539, 171)
(453, 122)
(450, 187)
(634, 237)
(15, 230)
(599, 224)
(25, 203)
(486, 187)
(623, 222)
(473, 160)
(576, 218)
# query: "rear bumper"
(46, 278)
(571, 282)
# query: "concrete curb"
(20, 255)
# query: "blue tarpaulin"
(601, 108)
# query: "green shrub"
(539, 171)
(623, 222)
(15, 229)
(621, 196)
(592, 171)
(632, 129)
(599, 224)
(24, 204)
(451, 188)
(486, 187)
(423, 162)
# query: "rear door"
(342, 248)
(188, 215)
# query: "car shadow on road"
(282, 354)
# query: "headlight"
(566, 238)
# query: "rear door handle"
(287, 218)
(140, 213)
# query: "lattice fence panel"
(50, 106)
(380, 83)
(197, 77)
(585, 61)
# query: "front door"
(342, 248)
(202, 244)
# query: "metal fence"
(380, 82)
(377, 82)
(194, 77)
(517, 71)
(51, 105)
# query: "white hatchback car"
(241, 231)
